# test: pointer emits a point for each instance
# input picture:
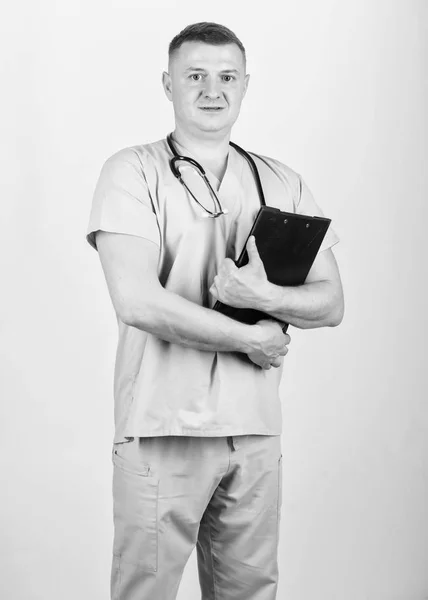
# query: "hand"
(271, 345)
(246, 287)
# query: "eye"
(227, 78)
(195, 77)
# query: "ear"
(246, 82)
(167, 85)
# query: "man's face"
(206, 85)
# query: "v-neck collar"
(217, 184)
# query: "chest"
(194, 244)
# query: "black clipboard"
(288, 244)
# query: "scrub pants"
(221, 494)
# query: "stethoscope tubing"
(177, 157)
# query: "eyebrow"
(200, 70)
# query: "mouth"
(212, 108)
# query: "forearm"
(175, 319)
(311, 305)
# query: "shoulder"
(278, 168)
(136, 156)
(273, 169)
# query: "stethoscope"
(218, 209)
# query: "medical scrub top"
(161, 388)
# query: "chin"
(214, 127)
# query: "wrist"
(272, 299)
(250, 338)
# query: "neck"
(207, 149)
(211, 152)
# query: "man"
(196, 452)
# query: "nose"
(211, 89)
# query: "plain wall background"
(339, 93)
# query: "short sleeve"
(306, 205)
(121, 201)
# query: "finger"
(276, 362)
(214, 291)
(284, 350)
(228, 266)
(253, 253)
(287, 339)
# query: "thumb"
(253, 254)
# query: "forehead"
(201, 55)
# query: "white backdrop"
(339, 93)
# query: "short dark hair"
(208, 33)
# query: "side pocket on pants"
(135, 507)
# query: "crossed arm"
(130, 265)
(317, 303)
